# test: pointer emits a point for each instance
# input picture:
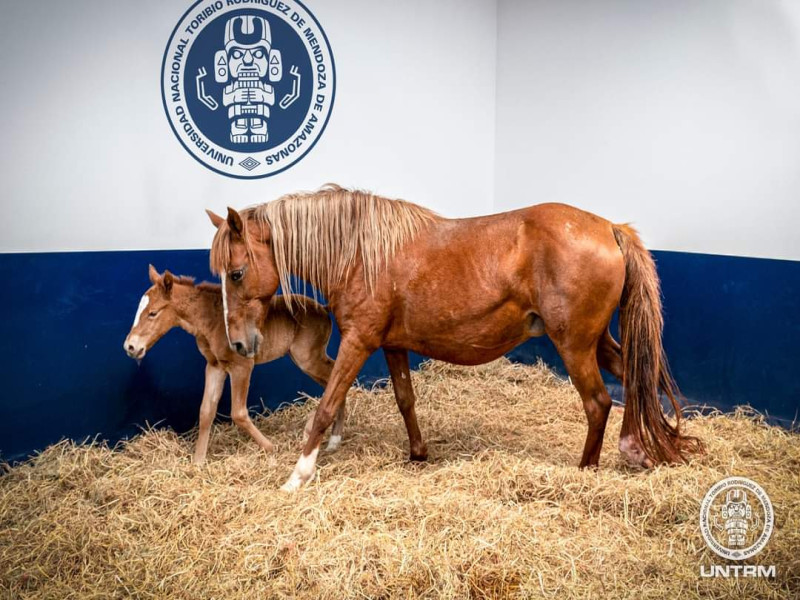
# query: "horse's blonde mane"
(319, 236)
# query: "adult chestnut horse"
(399, 277)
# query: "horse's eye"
(153, 314)
(237, 275)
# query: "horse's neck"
(196, 310)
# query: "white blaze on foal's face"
(142, 305)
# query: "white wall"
(682, 116)
(88, 160)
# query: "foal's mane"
(319, 236)
(203, 286)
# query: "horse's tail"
(645, 369)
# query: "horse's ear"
(168, 281)
(216, 220)
(235, 222)
(155, 278)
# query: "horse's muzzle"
(239, 348)
(248, 350)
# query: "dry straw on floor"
(500, 510)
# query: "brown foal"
(175, 301)
(467, 291)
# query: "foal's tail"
(645, 368)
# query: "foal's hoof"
(334, 443)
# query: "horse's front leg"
(336, 433)
(351, 357)
(404, 395)
(215, 383)
(240, 385)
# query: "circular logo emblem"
(736, 518)
(248, 85)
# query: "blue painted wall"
(732, 335)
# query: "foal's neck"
(198, 310)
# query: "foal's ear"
(155, 278)
(168, 281)
(216, 220)
(235, 222)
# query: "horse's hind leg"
(404, 395)
(582, 367)
(609, 355)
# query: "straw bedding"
(500, 510)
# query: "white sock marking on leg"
(333, 443)
(303, 471)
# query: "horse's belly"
(469, 341)
(463, 354)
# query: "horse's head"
(241, 255)
(154, 317)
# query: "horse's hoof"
(290, 487)
(633, 453)
(421, 457)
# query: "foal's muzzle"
(134, 348)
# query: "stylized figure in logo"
(736, 515)
(247, 62)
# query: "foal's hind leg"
(582, 367)
(315, 362)
(404, 394)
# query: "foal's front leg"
(240, 385)
(215, 383)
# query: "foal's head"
(154, 317)
(241, 255)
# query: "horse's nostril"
(130, 347)
(240, 348)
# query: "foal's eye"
(153, 314)
(237, 275)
